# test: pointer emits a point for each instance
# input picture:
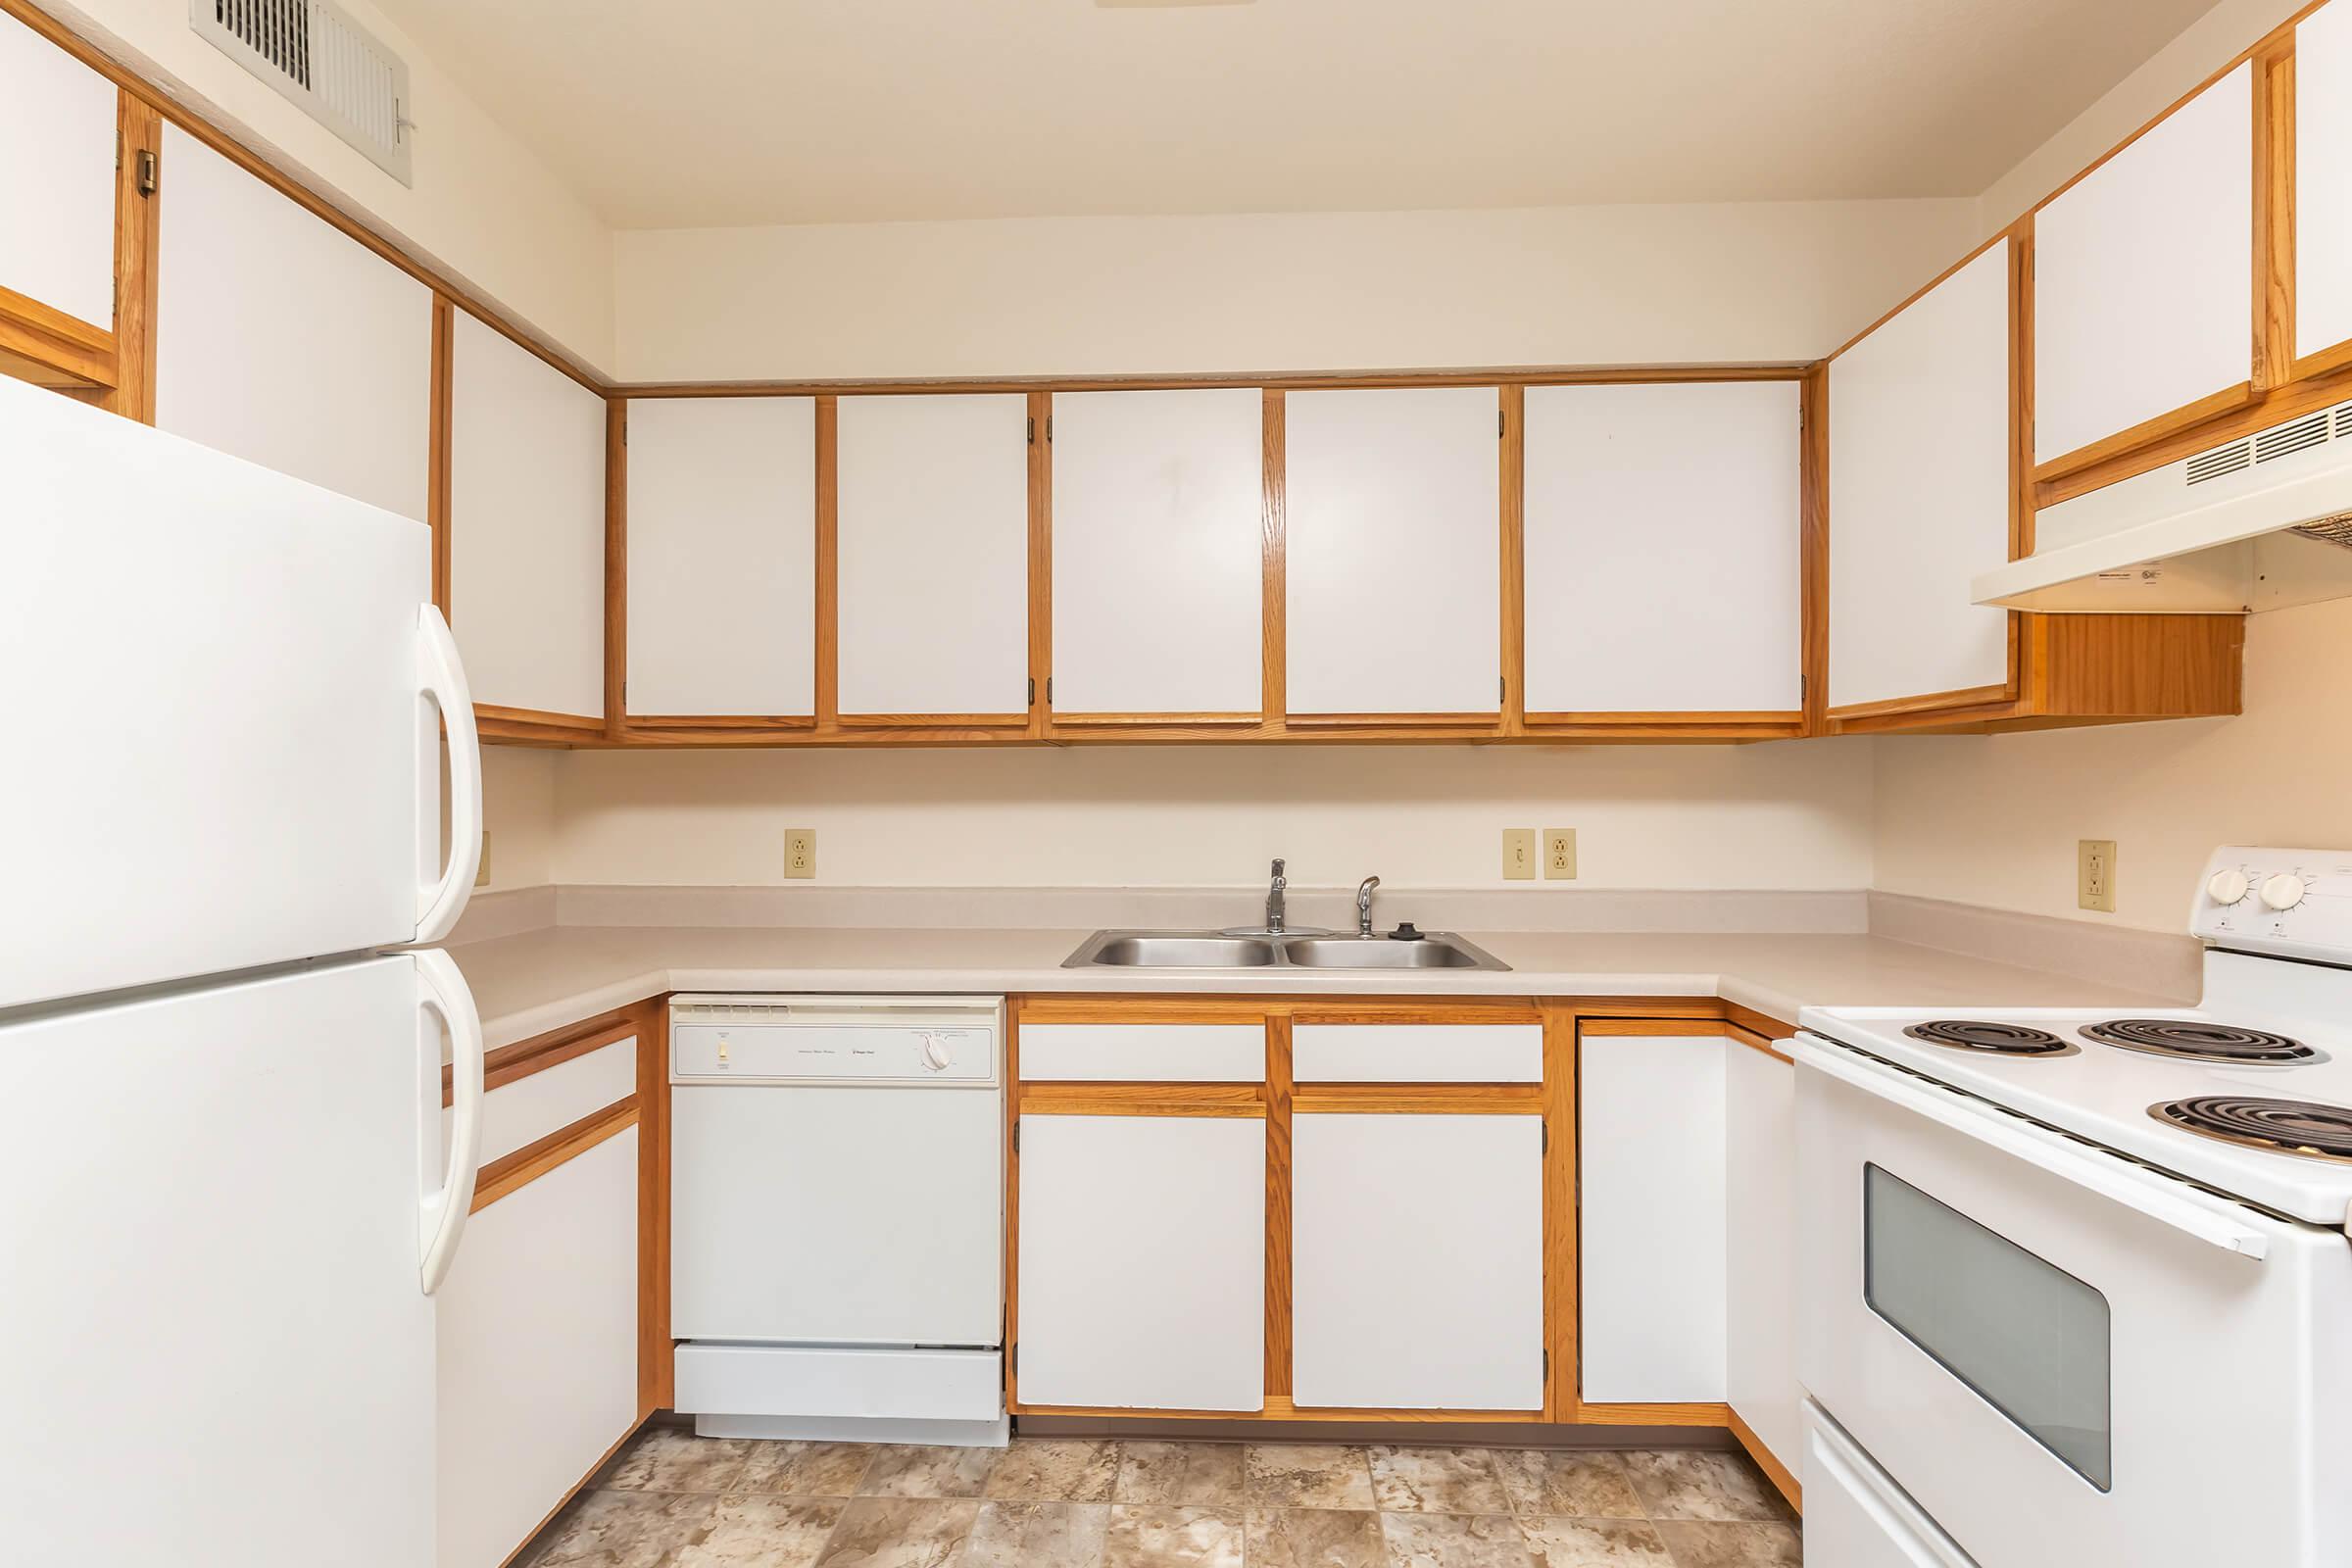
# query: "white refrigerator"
(227, 1202)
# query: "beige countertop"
(540, 980)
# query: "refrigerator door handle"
(441, 682)
(441, 1218)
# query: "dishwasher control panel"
(913, 1041)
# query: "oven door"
(2062, 1356)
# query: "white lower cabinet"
(1653, 1221)
(1143, 1251)
(1417, 1262)
(1760, 1249)
(537, 1357)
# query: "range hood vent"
(2260, 523)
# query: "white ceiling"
(690, 113)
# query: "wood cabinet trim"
(522, 1058)
(617, 566)
(2274, 238)
(1783, 1480)
(511, 1173)
(1279, 1090)
(140, 130)
(656, 1350)
(1757, 1042)
(48, 347)
(1672, 1028)
(1060, 1097)
(1418, 1099)
(2148, 432)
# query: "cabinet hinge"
(148, 174)
(1502, 688)
(1048, 429)
(1499, 417)
(1544, 1139)
(1033, 691)
(1049, 678)
(1013, 1357)
(1033, 429)
(1547, 1361)
(1016, 1135)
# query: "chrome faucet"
(1274, 904)
(1363, 906)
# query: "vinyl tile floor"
(676, 1500)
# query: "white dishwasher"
(837, 1217)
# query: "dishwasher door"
(837, 1170)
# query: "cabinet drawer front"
(1152, 1052)
(527, 1109)
(1417, 1052)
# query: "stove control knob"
(2284, 891)
(2228, 887)
(938, 1054)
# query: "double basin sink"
(1226, 950)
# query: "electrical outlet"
(2094, 874)
(799, 852)
(481, 873)
(1518, 854)
(1560, 853)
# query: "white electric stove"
(2076, 1282)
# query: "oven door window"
(2026, 1336)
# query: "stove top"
(2300, 1127)
(1976, 1034)
(2200, 1040)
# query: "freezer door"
(218, 1205)
(226, 686)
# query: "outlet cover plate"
(2094, 874)
(1560, 853)
(1518, 855)
(799, 852)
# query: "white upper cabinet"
(722, 555)
(283, 341)
(526, 549)
(1158, 556)
(56, 178)
(1395, 556)
(1920, 493)
(1663, 548)
(934, 555)
(2143, 292)
(2322, 194)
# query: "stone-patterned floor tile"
(1037, 1535)
(1209, 1474)
(1143, 1536)
(1054, 1470)
(904, 1470)
(626, 1530)
(1699, 1543)
(805, 1469)
(751, 1531)
(674, 1459)
(1315, 1538)
(901, 1533)
(1690, 1484)
(1436, 1480)
(1575, 1482)
(1307, 1475)
(1596, 1544)
(1455, 1541)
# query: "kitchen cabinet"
(723, 557)
(1760, 1253)
(2322, 140)
(1920, 495)
(1417, 1259)
(1159, 552)
(934, 558)
(2144, 302)
(57, 180)
(282, 340)
(1653, 1220)
(1142, 1261)
(1393, 536)
(537, 1353)
(526, 525)
(1663, 550)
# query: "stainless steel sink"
(1208, 950)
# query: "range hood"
(2261, 522)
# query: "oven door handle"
(2100, 1172)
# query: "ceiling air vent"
(320, 58)
(2220, 461)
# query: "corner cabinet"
(1929, 483)
(1287, 1209)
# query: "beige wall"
(518, 811)
(1271, 292)
(483, 207)
(1993, 819)
(1778, 815)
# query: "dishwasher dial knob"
(2284, 891)
(2228, 887)
(938, 1054)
